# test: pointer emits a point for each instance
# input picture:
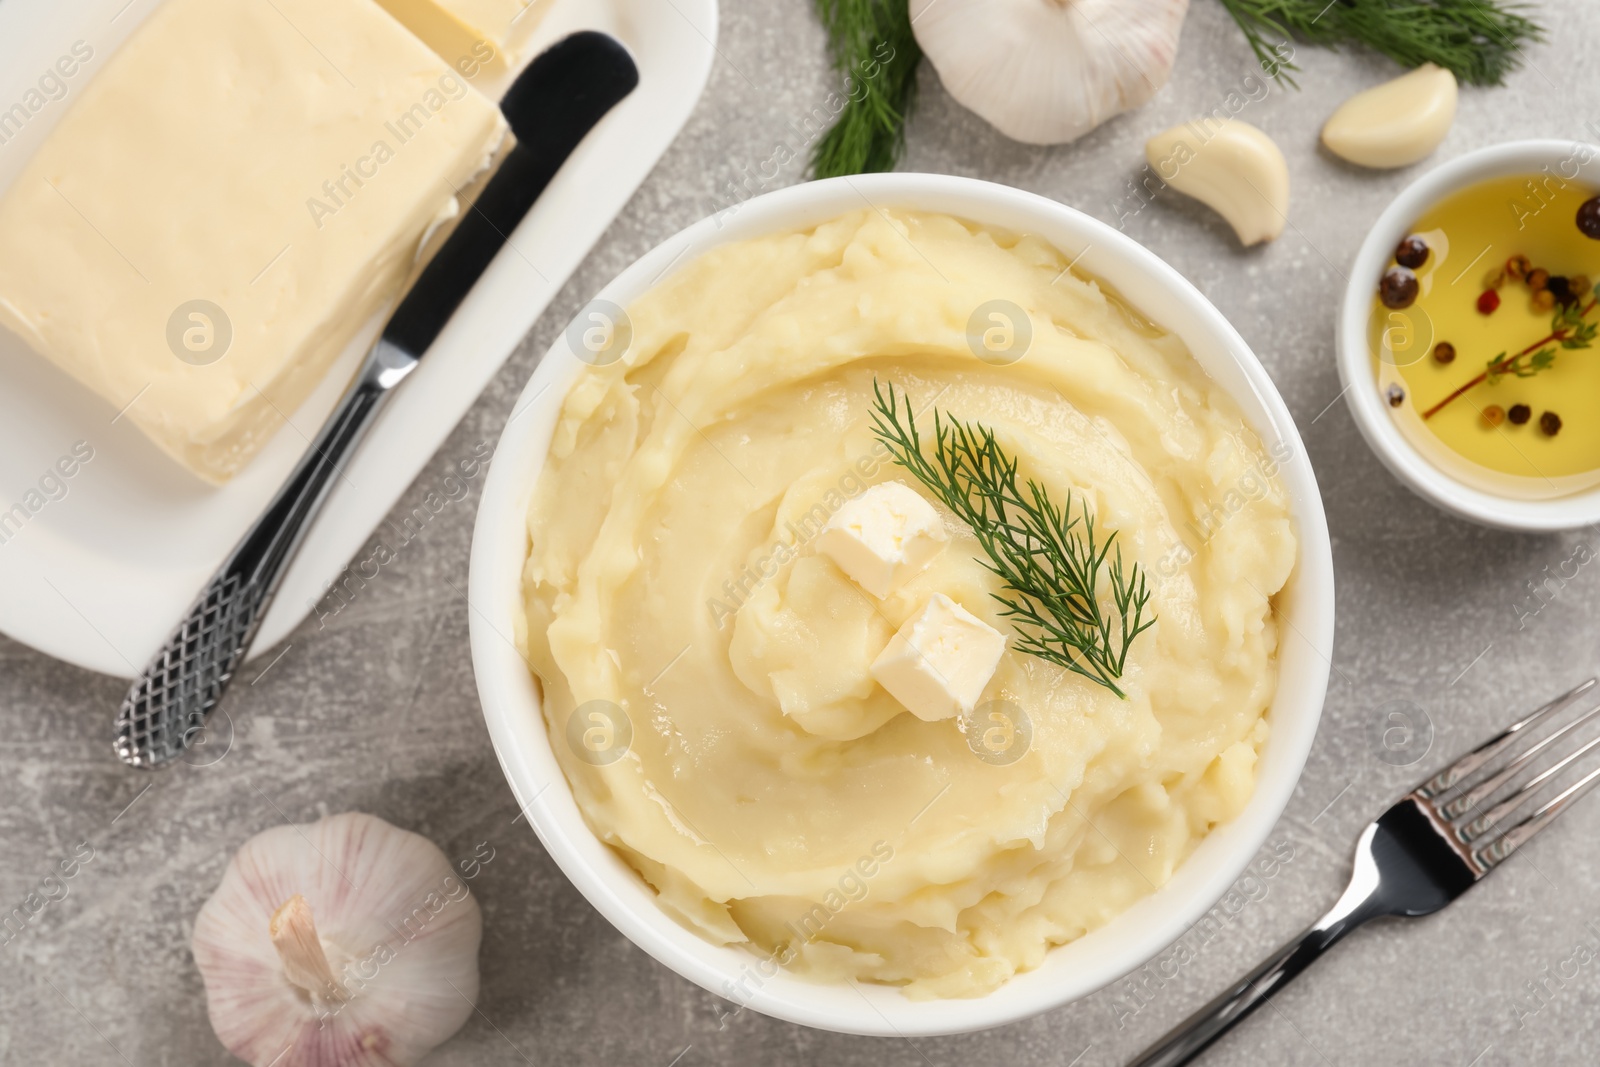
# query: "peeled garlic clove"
(1231, 167)
(344, 942)
(1397, 123)
(1049, 71)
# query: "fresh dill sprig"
(1050, 560)
(1479, 41)
(874, 51)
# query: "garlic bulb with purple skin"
(343, 943)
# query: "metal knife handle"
(551, 106)
(171, 700)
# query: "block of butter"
(231, 198)
(470, 34)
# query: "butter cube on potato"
(883, 538)
(939, 662)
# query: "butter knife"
(550, 108)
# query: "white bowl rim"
(516, 725)
(1354, 359)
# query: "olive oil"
(1471, 235)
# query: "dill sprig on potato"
(1057, 571)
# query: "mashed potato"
(706, 671)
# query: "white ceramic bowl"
(1573, 161)
(511, 699)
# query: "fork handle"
(170, 701)
(1196, 1033)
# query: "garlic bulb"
(343, 942)
(1049, 71)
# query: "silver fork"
(1430, 847)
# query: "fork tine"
(1497, 850)
(1452, 775)
(1480, 826)
(1471, 798)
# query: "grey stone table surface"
(376, 710)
